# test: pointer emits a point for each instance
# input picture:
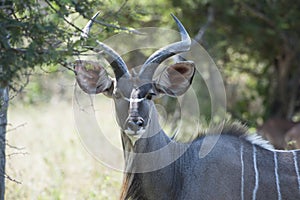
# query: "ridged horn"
(162, 54)
(117, 63)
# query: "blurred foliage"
(254, 43)
(36, 33)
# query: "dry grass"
(52, 162)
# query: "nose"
(135, 123)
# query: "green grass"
(53, 163)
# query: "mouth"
(134, 135)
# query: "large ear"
(176, 79)
(92, 77)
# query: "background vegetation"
(254, 43)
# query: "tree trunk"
(280, 105)
(4, 98)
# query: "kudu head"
(133, 94)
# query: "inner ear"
(176, 79)
(92, 77)
(180, 68)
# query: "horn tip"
(96, 15)
(174, 17)
(179, 24)
(88, 26)
(183, 32)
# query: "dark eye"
(117, 94)
(149, 95)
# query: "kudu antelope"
(238, 167)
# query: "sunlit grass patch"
(53, 163)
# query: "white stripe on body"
(276, 176)
(296, 168)
(242, 178)
(256, 174)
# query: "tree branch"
(67, 21)
(97, 21)
(67, 66)
(13, 129)
(210, 19)
(121, 7)
(258, 14)
(11, 179)
(119, 27)
(267, 20)
(17, 153)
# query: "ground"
(51, 162)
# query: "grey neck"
(141, 185)
(148, 162)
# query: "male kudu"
(238, 167)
